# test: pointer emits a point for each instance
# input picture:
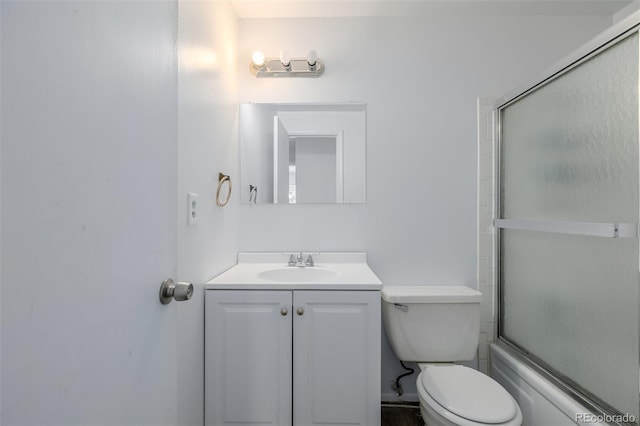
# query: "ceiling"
(361, 8)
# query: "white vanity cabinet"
(292, 357)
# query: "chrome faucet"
(309, 261)
(298, 260)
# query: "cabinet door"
(248, 358)
(336, 361)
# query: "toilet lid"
(468, 393)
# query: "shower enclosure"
(568, 209)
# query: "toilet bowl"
(437, 326)
(457, 395)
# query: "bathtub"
(541, 402)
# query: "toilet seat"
(467, 397)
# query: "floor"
(401, 414)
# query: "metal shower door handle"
(170, 290)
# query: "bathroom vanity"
(293, 345)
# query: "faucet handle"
(292, 260)
(309, 261)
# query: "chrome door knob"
(300, 311)
(170, 290)
(284, 312)
(183, 291)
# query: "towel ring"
(253, 194)
(222, 178)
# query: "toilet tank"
(432, 323)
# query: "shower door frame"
(617, 33)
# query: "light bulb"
(312, 57)
(258, 58)
(285, 58)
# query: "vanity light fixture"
(286, 66)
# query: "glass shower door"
(568, 236)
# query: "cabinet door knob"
(300, 311)
(284, 312)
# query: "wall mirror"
(302, 153)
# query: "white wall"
(207, 145)
(89, 130)
(420, 78)
(634, 6)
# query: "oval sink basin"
(300, 275)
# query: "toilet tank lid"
(430, 294)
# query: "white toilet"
(436, 326)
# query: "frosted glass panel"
(570, 149)
(572, 301)
(569, 153)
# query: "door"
(316, 175)
(336, 360)
(248, 358)
(88, 227)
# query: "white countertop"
(351, 273)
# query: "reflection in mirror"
(302, 153)
(313, 170)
